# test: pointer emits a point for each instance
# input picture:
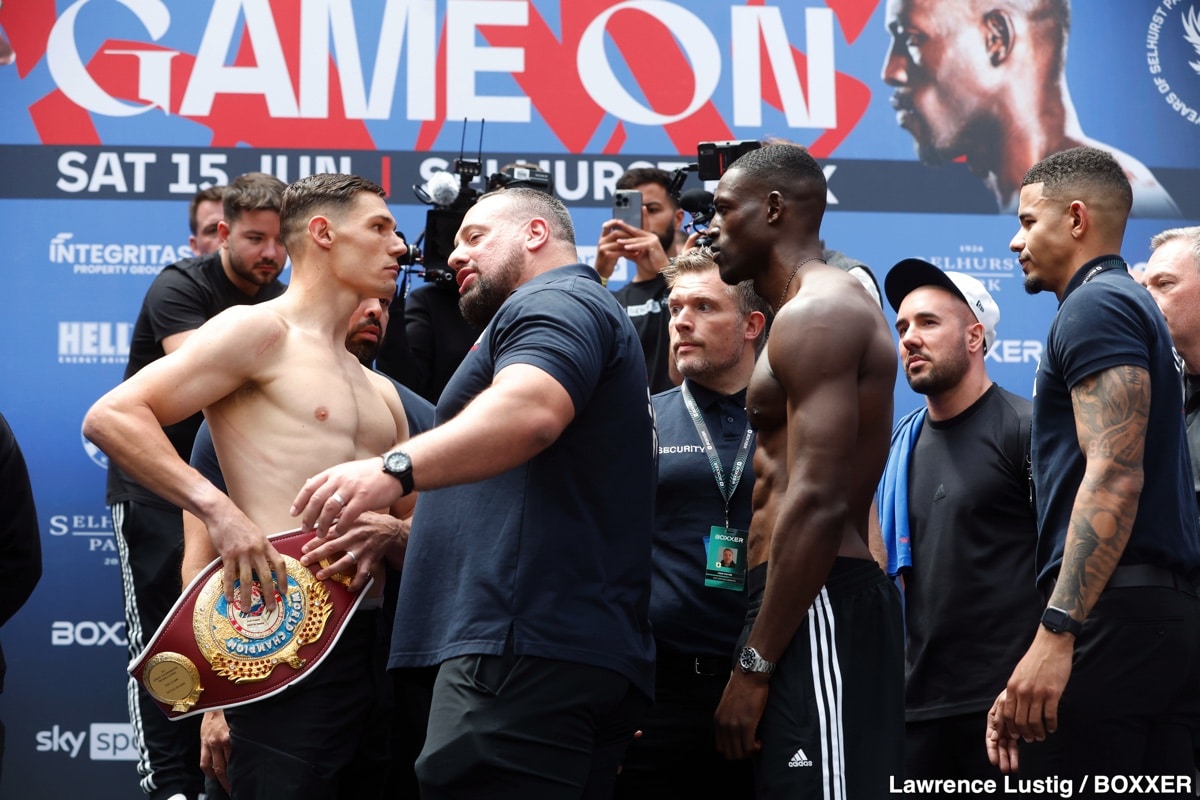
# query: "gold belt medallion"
(245, 645)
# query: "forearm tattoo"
(1111, 412)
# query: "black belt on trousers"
(704, 666)
(1133, 576)
(1136, 576)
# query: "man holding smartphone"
(649, 248)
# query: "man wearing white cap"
(956, 515)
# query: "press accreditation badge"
(725, 567)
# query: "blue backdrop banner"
(114, 112)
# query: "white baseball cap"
(913, 273)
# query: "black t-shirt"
(646, 305)
(971, 602)
(555, 552)
(183, 297)
(426, 339)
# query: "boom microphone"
(442, 187)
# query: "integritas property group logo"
(113, 258)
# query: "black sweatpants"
(150, 545)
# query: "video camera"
(518, 176)
(712, 159)
(451, 198)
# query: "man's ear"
(774, 207)
(975, 338)
(998, 36)
(537, 233)
(320, 230)
(1079, 217)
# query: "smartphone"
(627, 207)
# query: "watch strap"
(404, 475)
(751, 661)
(1058, 621)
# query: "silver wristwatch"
(751, 661)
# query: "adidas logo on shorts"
(799, 760)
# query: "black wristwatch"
(751, 661)
(399, 466)
(1056, 620)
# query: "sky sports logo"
(107, 741)
(94, 342)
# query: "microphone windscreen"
(442, 188)
(695, 201)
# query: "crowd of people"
(666, 541)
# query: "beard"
(365, 352)
(667, 239)
(927, 152)
(364, 349)
(1034, 284)
(238, 265)
(929, 155)
(488, 293)
(697, 368)
(940, 376)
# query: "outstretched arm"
(522, 413)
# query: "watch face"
(1056, 620)
(746, 659)
(396, 461)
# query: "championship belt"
(210, 653)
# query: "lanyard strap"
(714, 460)
(1103, 266)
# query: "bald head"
(526, 203)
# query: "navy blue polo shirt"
(556, 550)
(690, 618)
(1105, 321)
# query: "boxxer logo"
(87, 634)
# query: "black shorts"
(834, 721)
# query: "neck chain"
(788, 285)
